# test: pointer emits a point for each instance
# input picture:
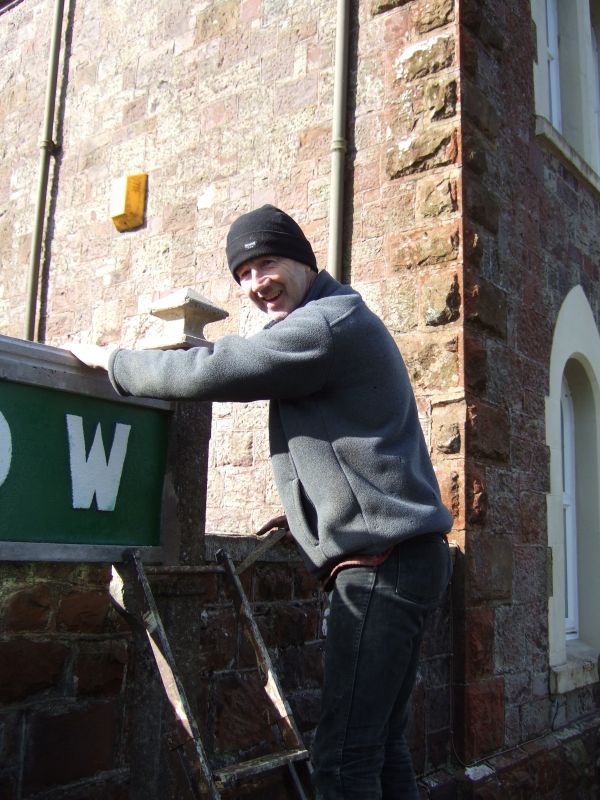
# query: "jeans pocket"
(424, 569)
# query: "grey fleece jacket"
(349, 458)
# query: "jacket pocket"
(300, 524)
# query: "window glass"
(569, 511)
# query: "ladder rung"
(256, 766)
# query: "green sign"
(78, 470)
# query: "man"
(355, 480)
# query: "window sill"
(557, 144)
(581, 668)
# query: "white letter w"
(94, 475)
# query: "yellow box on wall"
(128, 202)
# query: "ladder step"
(255, 766)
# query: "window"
(553, 63)
(567, 74)
(573, 437)
(595, 16)
(567, 426)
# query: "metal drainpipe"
(47, 147)
(338, 141)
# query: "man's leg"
(372, 647)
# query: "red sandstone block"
(289, 624)
(99, 668)
(476, 364)
(217, 643)
(243, 715)
(380, 6)
(301, 667)
(488, 432)
(480, 110)
(479, 644)
(489, 569)
(432, 14)
(306, 586)
(272, 582)
(486, 307)
(250, 10)
(27, 667)
(83, 611)
(484, 718)
(28, 609)
(68, 747)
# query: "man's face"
(275, 284)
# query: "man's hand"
(273, 524)
(92, 354)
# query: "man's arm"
(290, 359)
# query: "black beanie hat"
(267, 231)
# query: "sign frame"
(41, 365)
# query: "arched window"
(573, 437)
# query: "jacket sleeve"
(290, 359)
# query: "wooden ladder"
(132, 594)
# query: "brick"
(470, 49)
(432, 365)
(436, 147)
(424, 247)
(479, 644)
(442, 300)
(28, 667)
(380, 6)
(100, 668)
(482, 206)
(475, 154)
(243, 715)
(447, 427)
(290, 624)
(432, 14)
(218, 19)
(484, 718)
(29, 609)
(301, 667)
(426, 57)
(83, 611)
(489, 569)
(272, 583)
(488, 432)
(476, 365)
(471, 13)
(436, 197)
(306, 586)
(486, 307)
(67, 747)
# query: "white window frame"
(596, 60)
(552, 56)
(567, 416)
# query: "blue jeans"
(374, 633)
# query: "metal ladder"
(132, 594)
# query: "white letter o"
(5, 448)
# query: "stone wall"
(64, 659)
(527, 241)
(84, 715)
(226, 106)
(461, 230)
